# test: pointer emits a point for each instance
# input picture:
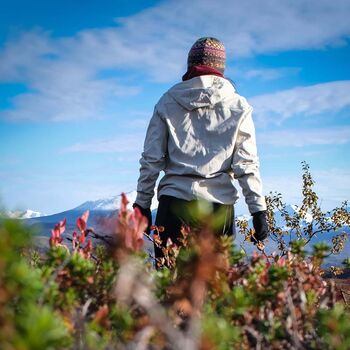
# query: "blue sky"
(79, 80)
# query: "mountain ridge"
(23, 214)
(104, 208)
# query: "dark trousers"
(174, 212)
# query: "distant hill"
(103, 208)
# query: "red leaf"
(88, 249)
(58, 230)
(85, 216)
(61, 226)
(89, 245)
(124, 202)
(81, 222)
(101, 313)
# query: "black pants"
(174, 212)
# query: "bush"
(204, 295)
(27, 322)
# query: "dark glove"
(260, 226)
(147, 213)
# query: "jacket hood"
(202, 91)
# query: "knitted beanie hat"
(208, 51)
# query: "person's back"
(200, 118)
(202, 136)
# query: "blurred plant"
(205, 293)
(24, 325)
(307, 221)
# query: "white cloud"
(137, 123)
(137, 119)
(60, 72)
(305, 100)
(21, 53)
(37, 193)
(80, 99)
(118, 144)
(332, 187)
(264, 74)
(299, 152)
(268, 73)
(305, 137)
(28, 188)
(60, 88)
(246, 27)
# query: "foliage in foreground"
(204, 295)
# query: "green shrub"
(204, 294)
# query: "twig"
(71, 240)
(343, 296)
(132, 285)
(294, 334)
(144, 335)
(257, 337)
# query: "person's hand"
(147, 213)
(260, 226)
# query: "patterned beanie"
(208, 51)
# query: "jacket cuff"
(143, 200)
(259, 206)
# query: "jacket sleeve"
(245, 163)
(153, 159)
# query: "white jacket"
(202, 136)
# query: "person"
(202, 136)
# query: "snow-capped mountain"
(26, 214)
(291, 210)
(102, 208)
(99, 209)
(112, 203)
(280, 221)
